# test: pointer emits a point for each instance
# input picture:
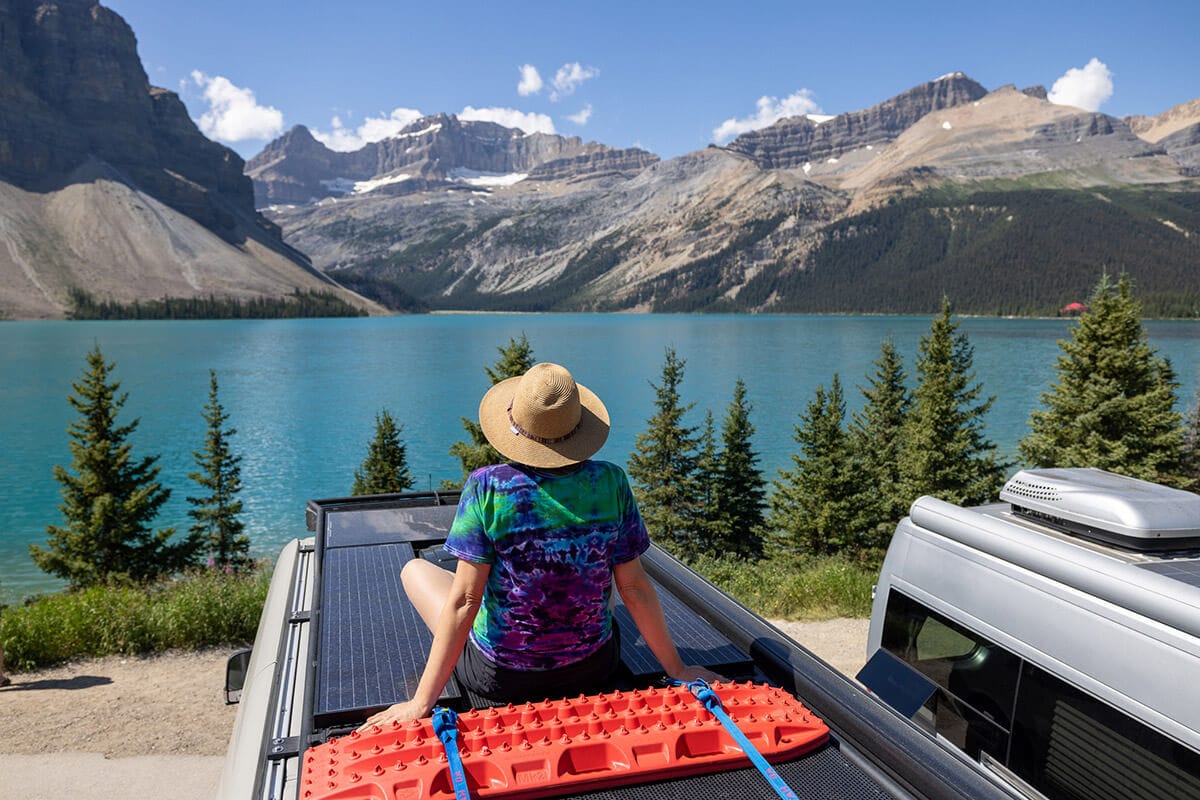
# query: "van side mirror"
(235, 675)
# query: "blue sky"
(664, 76)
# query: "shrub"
(805, 588)
(202, 609)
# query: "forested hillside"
(1002, 250)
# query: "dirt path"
(158, 726)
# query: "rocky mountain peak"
(797, 141)
(74, 90)
(1177, 131)
(435, 150)
(1171, 121)
(107, 184)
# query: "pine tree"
(945, 452)
(220, 475)
(1190, 449)
(875, 438)
(709, 526)
(385, 469)
(1113, 406)
(109, 497)
(663, 464)
(740, 488)
(515, 359)
(813, 508)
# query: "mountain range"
(1000, 199)
(978, 191)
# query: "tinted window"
(977, 678)
(1071, 746)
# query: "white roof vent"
(1115, 509)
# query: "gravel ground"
(158, 726)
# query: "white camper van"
(1054, 636)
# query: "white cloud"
(770, 110)
(583, 116)
(531, 81)
(372, 129)
(234, 114)
(1086, 87)
(568, 78)
(510, 118)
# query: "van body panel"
(1084, 612)
(274, 684)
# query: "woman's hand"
(400, 712)
(691, 672)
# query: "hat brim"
(584, 443)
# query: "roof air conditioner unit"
(1110, 508)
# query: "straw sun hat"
(544, 418)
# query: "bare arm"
(644, 606)
(449, 636)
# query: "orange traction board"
(564, 746)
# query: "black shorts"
(590, 674)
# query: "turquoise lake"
(303, 394)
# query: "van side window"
(1069, 745)
(976, 678)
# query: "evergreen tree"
(709, 526)
(740, 487)
(945, 452)
(515, 359)
(109, 497)
(1113, 406)
(875, 438)
(220, 475)
(663, 464)
(385, 469)
(1190, 450)
(813, 507)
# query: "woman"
(540, 543)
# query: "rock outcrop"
(796, 141)
(74, 90)
(80, 124)
(441, 148)
(1176, 130)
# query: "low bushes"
(199, 610)
(812, 588)
(209, 608)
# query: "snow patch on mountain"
(473, 177)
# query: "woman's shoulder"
(495, 473)
(606, 470)
(603, 466)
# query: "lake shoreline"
(303, 394)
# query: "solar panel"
(826, 773)
(357, 526)
(1182, 570)
(695, 639)
(373, 644)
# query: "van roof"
(1161, 585)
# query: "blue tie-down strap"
(712, 702)
(445, 727)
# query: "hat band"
(519, 431)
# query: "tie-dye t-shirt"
(552, 541)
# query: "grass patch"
(200, 610)
(813, 588)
